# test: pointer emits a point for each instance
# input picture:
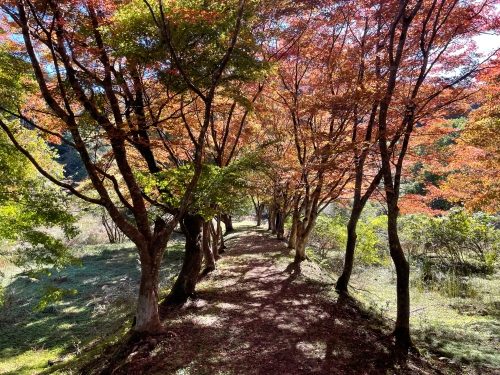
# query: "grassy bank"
(461, 330)
(101, 310)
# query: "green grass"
(464, 330)
(106, 284)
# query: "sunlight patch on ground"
(257, 273)
(28, 362)
(207, 320)
(224, 284)
(228, 272)
(315, 349)
(229, 306)
(291, 327)
(185, 371)
(259, 293)
(91, 280)
(198, 303)
(73, 310)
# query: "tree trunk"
(215, 237)
(343, 280)
(293, 232)
(192, 227)
(220, 236)
(300, 245)
(228, 222)
(304, 229)
(402, 330)
(218, 231)
(222, 248)
(280, 225)
(147, 318)
(258, 213)
(208, 254)
(271, 219)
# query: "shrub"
(459, 242)
(372, 241)
(330, 235)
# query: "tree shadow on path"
(260, 314)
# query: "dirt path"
(261, 314)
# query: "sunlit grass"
(106, 284)
(30, 362)
(463, 330)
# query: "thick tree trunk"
(271, 220)
(300, 245)
(304, 229)
(258, 214)
(402, 330)
(208, 254)
(147, 318)
(273, 223)
(222, 248)
(192, 227)
(228, 222)
(343, 280)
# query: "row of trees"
(176, 107)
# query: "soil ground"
(259, 313)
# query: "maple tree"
(309, 82)
(436, 27)
(113, 97)
(470, 173)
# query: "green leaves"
(199, 32)
(218, 189)
(30, 208)
(52, 294)
(460, 241)
(15, 81)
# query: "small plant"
(454, 286)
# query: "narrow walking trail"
(259, 313)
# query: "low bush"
(330, 236)
(447, 250)
(460, 243)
